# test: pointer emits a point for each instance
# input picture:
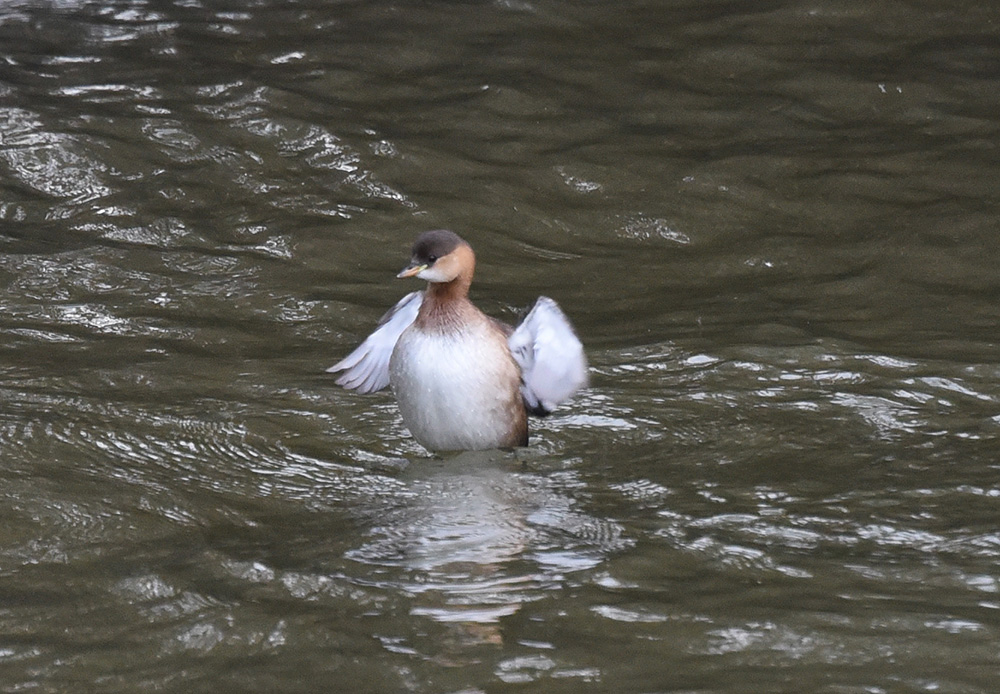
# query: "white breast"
(456, 391)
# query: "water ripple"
(52, 163)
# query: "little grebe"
(463, 380)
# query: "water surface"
(773, 224)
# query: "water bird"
(464, 380)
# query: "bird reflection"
(478, 536)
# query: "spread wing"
(553, 366)
(366, 369)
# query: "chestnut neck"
(446, 304)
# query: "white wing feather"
(366, 369)
(553, 365)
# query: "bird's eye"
(432, 258)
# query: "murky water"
(774, 225)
